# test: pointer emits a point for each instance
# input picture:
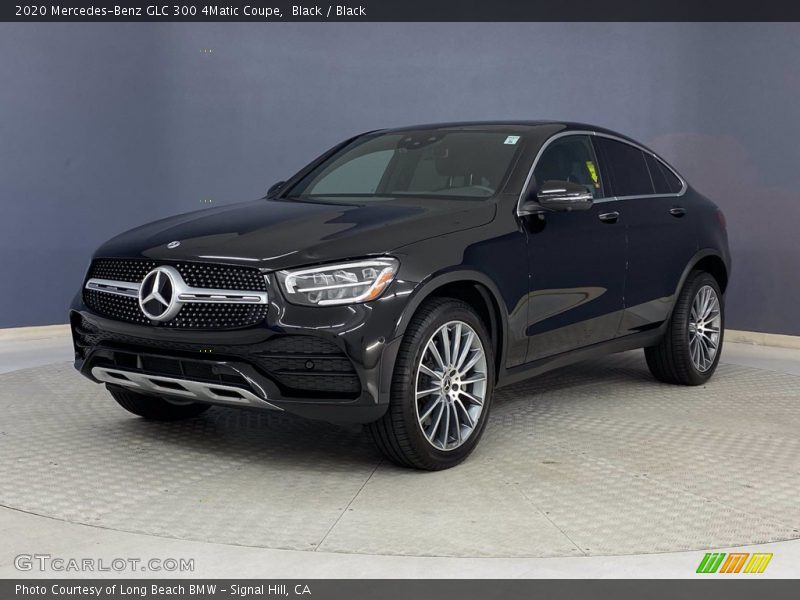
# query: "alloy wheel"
(705, 321)
(451, 385)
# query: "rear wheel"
(689, 352)
(154, 407)
(441, 389)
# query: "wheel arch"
(712, 262)
(473, 288)
(709, 260)
(715, 266)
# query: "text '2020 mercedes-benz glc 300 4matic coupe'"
(402, 276)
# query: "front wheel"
(441, 389)
(689, 352)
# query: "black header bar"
(400, 10)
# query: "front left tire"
(441, 388)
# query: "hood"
(279, 234)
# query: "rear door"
(660, 229)
(576, 259)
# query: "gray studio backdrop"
(106, 126)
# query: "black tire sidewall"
(417, 338)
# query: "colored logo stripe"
(711, 562)
(714, 562)
(758, 563)
(734, 562)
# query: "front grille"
(218, 316)
(119, 308)
(132, 270)
(203, 275)
(222, 277)
(301, 366)
(191, 316)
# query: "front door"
(577, 260)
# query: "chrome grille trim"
(185, 293)
(201, 391)
(109, 286)
(232, 296)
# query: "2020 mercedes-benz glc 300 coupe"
(403, 275)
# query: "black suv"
(403, 275)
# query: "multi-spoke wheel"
(705, 321)
(451, 385)
(690, 349)
(441, 389)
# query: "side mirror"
(561, 196)
(274, 189)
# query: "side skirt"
(623, 344)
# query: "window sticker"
(512, 139)
(592, 170)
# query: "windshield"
(452, 164)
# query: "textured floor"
(593, 459)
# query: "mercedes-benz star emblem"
(157, 294)
(174, 244)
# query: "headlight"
(343, 283)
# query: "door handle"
(609, 217)
(677, 211)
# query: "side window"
(664, 180)
(674, 184)
(627, 168)
(657, 175)
(570, 158)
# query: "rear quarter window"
(627, 168)
(665, 181)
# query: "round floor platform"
(593, 459)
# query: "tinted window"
(664, 180)
(673, 182)
(461, 164)
(570, 158)
(657, 175)
(627, 168)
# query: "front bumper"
(329, 363)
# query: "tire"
(676, 359)
(404, 434)
(155, 408)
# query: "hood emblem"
(174, 244)
(158, 296)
